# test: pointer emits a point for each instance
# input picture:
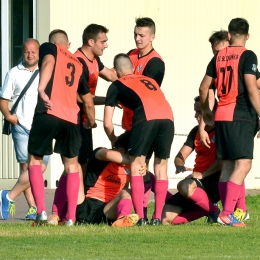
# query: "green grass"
(195, 240)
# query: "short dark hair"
(218, 36)
(118, 56)
(145, 22)
(92, 31)
(57, 31)
(238, 26)
(123, 141)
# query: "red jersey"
(140, 64)
(104, 180)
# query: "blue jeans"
(20, 138)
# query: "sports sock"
(60, 196)
(37, 187)
(222, 187)
(160, 190)
(233, 191)
(72, 190)
(137, 193)
(189, 216)
(201, 199)
(7, 196)
(124, 208)
(241, 202)
(147, 192)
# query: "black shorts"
(152, 136)
(90, 211)
(46, 128)
(235, 140)
(209, 184)
(86, 147)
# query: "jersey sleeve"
(191, 137)
(112, 95)
(211, 68)
(250, 63)
(7, 90)
(155, 69)
(46, 49)
(100, 64)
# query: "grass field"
(196, 240)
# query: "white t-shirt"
(15, 81)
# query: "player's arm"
(90, 110)
(46, 70)
(108, 124)
(180, 158)
(108, 74)
(112, 156)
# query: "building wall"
(182, 32)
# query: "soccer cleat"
(230, 220)
(155, 222)
(41, 219)
(31, 214)
(53, 219)
(6, 206)
(65, 222)
(126, 221)
(241, 215)
(141, 222)
(213, 218)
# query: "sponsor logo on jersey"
(254, 67)
(139, 68)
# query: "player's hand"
(143, 170)
(88, 126)
(13, 119)
(204, 138)
(208, 117)
(183, 168)
(45, 99)
(195, 175)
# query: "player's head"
(30, 52)
(123, 65)
(123, 142)
(59, 37)
(94, 36)
(238, 28)
(144, 32)
(219, 40)
(198, 108)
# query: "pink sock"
(60, 196)
(241, 202)
(147, 192)
(200, 198)
(189, 216)
(137, 187)
(124, 208)
(222, 186)
(233, 191)
(37, 186)
(160, 190)
(72, 190)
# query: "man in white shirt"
(15, 80)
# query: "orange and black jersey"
(104, 179)
(66, 81)
(140, 94)
(228, 67)
(150, 65)
(91, 72)
(205, 157)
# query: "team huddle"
(105, 185)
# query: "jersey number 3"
(70, 80)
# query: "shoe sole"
(234, 225)
(133, 219)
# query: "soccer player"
(56, 117)
(198, 191)
(152, 127)
(236, 118)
